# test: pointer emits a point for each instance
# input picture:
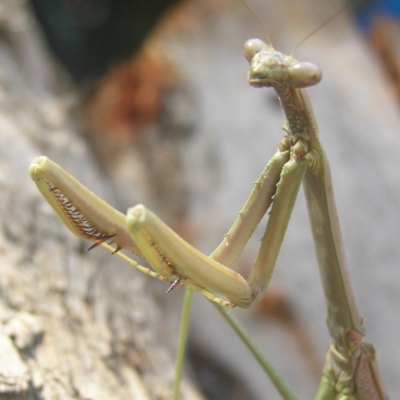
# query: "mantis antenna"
(258, 22)
(327, 21)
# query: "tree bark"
(72, 326)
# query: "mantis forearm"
(284, 199)
(89, 217)
(253, 210)
(169, 254)
(82, 212)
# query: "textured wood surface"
(73, 325)
(85, 326)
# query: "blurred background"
(163, 103)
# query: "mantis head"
(269, 67)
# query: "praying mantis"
(350, 372)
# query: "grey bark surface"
(72, 325)
(75, 326)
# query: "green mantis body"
(350, 371)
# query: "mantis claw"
(100, 241)
(174, 284)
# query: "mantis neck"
(343, 317)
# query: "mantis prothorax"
(350, 372)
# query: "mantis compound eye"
(252, 47)
(304, 74)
